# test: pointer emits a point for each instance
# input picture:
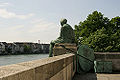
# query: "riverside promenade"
(58, 68)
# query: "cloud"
(39, 25)
(42, 30)
(7, 15)
(17, 27)
(35, 29)
(4, 4)
(12, 29)
(11, 33)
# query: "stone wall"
(110, 56)
(53, 68)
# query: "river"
(13, 59)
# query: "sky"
(33, 20)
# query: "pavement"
(96, 76)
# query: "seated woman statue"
(66, 36)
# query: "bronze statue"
(66, 36)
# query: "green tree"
(99, 32)
(94, 21)
(115, 33)
(98, 40)
(115, 23)
(27, 49)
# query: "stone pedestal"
(64, 48)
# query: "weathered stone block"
(110, 56)
(67, 48)
(69, 72)
(58, 76)
(11, 77)
(58, 66)
(27, 75)
(11, 69)
(65, 73)
(115, 64)
(22, 75)
(44, 72)
(68, 60)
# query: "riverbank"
(22, 48)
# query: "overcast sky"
(33, 20)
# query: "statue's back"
(67, 34)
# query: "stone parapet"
(53, 68)
(110, 56)
(107, 55)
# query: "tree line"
(99, 32)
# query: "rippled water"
(13, 59)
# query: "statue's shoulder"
(66, 25)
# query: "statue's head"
(63, 21)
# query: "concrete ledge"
(43, 69)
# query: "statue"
(66, 36)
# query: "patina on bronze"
(66, 36)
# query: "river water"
(13, 59)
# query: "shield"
(85, 58)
